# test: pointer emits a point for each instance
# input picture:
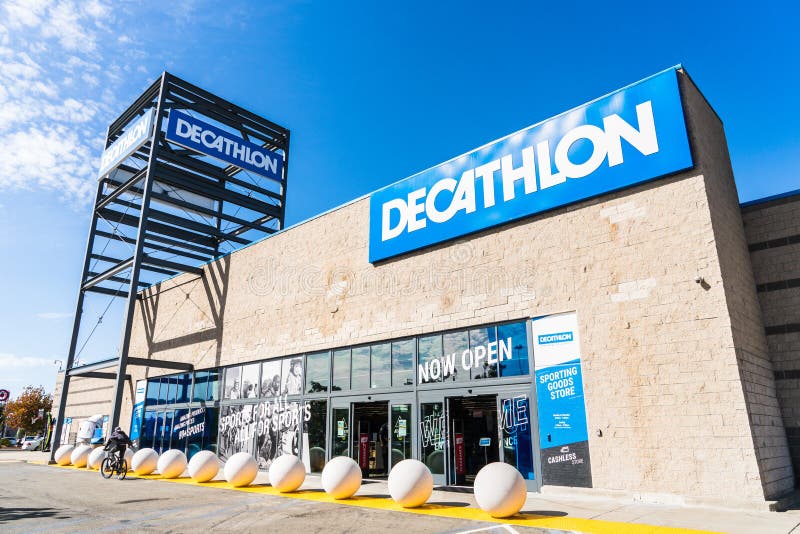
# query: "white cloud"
(53, 315)
(22, 13)
(53, 111)
(12, 361)
(67, 69)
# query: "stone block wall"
(773, 237)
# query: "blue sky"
(372, 92)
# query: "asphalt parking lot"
(35, 497)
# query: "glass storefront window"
(184, 382)
(158, 430)
(236, 433)
(517, 443)
(432, 435)
(360, 370)
(152, 391)
(210, 428)
(213, 385)
(200, 389)
(454, 360)
(292, 376)
(148, 429)
(341, 370)
(381, 363)
(250, 383)
(512, 339)
(268, 425)
(233, 385)
(166, 432)
(271, 378)
(403, 363)
(314, 435)
(317, 372)
(341, 432)
(277, 430)
(480, 340)
(430, 359)
(401, 433)
(191, 426)
(179, 427)
(172, 390)
(162, 390)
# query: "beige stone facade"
(773, 235)
(680, 390)
(87, 397)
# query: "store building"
(585, 308)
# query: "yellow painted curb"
(593, 526)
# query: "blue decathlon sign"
(630, 136)
(220, 144)
(559, 337)
(136, 134)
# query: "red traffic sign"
(4, 395)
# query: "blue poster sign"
(560, 398)
(628, 137)
(138, 410)
(563, 434)
(207, 139)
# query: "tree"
(24, 414)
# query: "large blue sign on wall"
(563, 432)
(630, 136)
(218, 143)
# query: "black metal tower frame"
(162, 200)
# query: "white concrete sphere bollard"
(241, 469)
(80, 455)
(144, 461)
(500, 490)
(95, 458)
(203, 466)
(172, 463)
(410, 483)
(129, 458)
(63, 454)
(341, 477)
(287, 473)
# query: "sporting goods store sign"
(633, 135)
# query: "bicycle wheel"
(123, 469)
(107, 467)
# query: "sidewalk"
(578, 512)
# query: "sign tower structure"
(185, 178)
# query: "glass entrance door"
(433, 437)
(401, 430)
(517, 433)
(377, 431)
(370, 441)
(340, 428)
(474, 442)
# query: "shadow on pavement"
(16, 514)
(550, 513)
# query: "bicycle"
(112, 465)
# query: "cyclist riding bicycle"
(117, 442)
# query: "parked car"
(12, 442)
(30, 443)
